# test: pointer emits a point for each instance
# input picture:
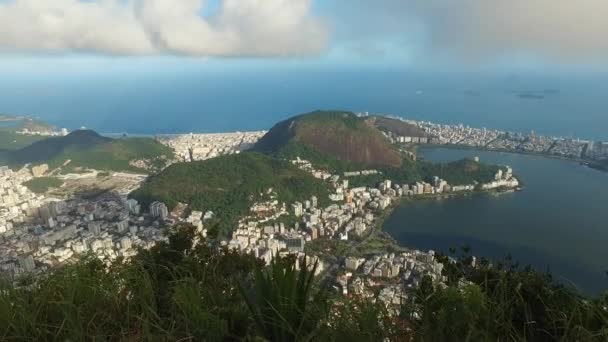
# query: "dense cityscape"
(40, 232)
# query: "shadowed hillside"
(87, 149)
(396, 127)
(50, 148)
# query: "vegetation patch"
(43, 184)
(230, 185)
(87, 149)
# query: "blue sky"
(42, 36)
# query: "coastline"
(581, 161)
(400, 201)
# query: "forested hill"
(87, 149)
(342, 135)
(229, 186)
(51, 148)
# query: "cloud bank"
(556, 29)
(258, 28)
(561, 30)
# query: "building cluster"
(597, 150)
(193, 147)
(502, 179)
(517, 142)
(273, 228)
(17, 202)
(54, 232)
(388, 278)
(45, 133)
(400, 139)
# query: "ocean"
(214, 101)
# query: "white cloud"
(144, 27)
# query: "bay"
(559, 222)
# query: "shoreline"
(590, 163)
(400, 201)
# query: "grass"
(41, 185)
(10, 141)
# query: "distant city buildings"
(44, 133)
(193, 147)
(497, 140)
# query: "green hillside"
(41, 185)
(87, 149)
(341, 135)
(229, 185)
(10, 141)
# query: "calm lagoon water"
(559, 222)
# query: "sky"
(75, 35)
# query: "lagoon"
(559, 222)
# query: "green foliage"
(103, 174)
(454, 314)
(229, 185)
(506, 302)
(361, 319)
(462, 172)
(87, 149)
(10, 141)
(284, 305)
(321, 160)
(43, 184)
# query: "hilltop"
(51, 148)
(229, 185)
(322, 135)
(396, 127)
(86, 149)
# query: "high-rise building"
(297, 208)
(132, 206)
(295, 244)
(122, 226)
(27, 262)
(159, 209)
(94, 227)
(314, 201)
